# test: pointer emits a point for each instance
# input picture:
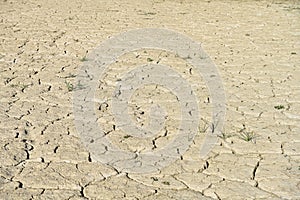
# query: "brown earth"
(254, 44)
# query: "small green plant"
(127, 136)
(224, 135)
(70, 86)
(79, 86)
(83, 59)
(203, 129)
(166, 182)
(149, 59)
(70, 76)
(188, 57)
(149, 13)
(24, 86)
(248, 136)
(21, 86)
(279, 107)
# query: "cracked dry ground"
(255, 45)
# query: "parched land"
(254, 44)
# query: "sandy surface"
(254, 44)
